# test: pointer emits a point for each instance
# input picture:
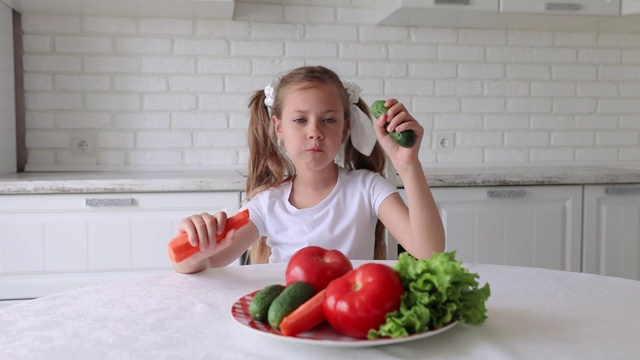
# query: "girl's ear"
(345, 131)
(276, 126)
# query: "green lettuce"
(437, 291)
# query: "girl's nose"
(314, 131)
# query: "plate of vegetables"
(413, 300)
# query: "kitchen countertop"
(234, 180)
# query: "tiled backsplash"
(172, 93)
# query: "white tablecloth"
(533, 314)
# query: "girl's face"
(312, 126)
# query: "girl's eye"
(298, 120)
(330, 120)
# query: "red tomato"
(317, 266)
(359, 301)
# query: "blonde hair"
(270, 167)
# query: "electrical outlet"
(84, 144)
(444, 142)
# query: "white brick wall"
(172, 93)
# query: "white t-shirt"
(345, 220)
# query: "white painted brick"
(210, 157)
(617, 138)
(82, 82)
(596, 122)
(361, 51)
(506, 88)
(113, 102)
(355, 15)
(187, 121)
(530, 38)
(309, 14)
(433, 71)
(82, 120)
(201, 47)
(506, 155)
(552, 122)
(258, 12)
(528, 72)
(332, 32)
(275, 66)
(381, 69)
(506, 122)
(595, 154)
(483, 37)
(619, 73)
(257, 48)
(112, 158)
(408, 87)
(630, 154)
(551, 155)
(483, 105)
(159, 157)
(116, 140)
(82, 44)
(509, 54)
(619, 106)
(111, 64)
(47, 139)
(52, 63)
(143, 46)
(630, 89)
(389, 34)
(572, 138)
(574, 72)
(630, 122)
(38, 120)
(41, 157)
(142, 120)
(553, 89)
(345, 68)
(631, 56)
(224, 66)
(460, 53)
(554, 55)
(473, 156)
(478, 138)
(220, 139)
(574, 106)
(163, 139)
(279, 31)
(622, 40)
(50, 23)
(311, 49)
(437, 104)
(526, 138)
(66, 157)
(166, 65)
(370, 86)
(181, 102)
(224, 29)
(412, 51)
(223, 102)
(457, 122)
(239, 120)
(529, 105)
(37, 82)
(599, 90)
(246, 84)
(457, 87)
(480, 71)
(140, 83)
(196, 83)
(434, 36)
(109, 25)
(579, 39)
(166, 26)
(599, 56)
(36, 43)
(53, 101)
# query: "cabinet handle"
(108, 202)
(506, 194)
(451, 2)
(562, 6)
(619, 190)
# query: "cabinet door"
(630, 7)
(7, 96)
(612, 230)
(535, 226)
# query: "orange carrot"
(305, 317)
(180, 248)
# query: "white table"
(533, 314)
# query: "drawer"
(562, 7)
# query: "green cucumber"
(259, 306)
(293, 296)
(405, 138)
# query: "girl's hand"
(202, 229)
(398, 119)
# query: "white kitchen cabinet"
(7, 96)
(537, 226)
(434, 13)
(57, 242)
(630, 7)
(628, 22)
(612, 230)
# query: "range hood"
(435, 13)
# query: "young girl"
(298, 194)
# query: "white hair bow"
(363, 137)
